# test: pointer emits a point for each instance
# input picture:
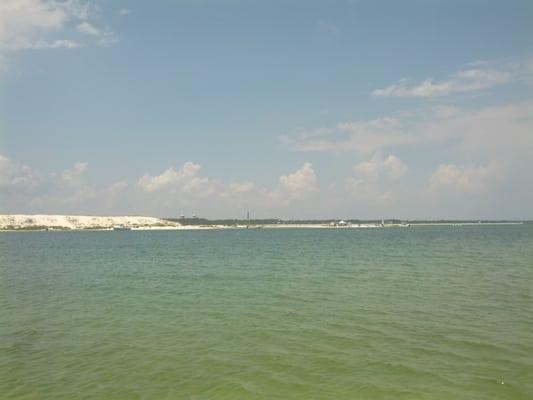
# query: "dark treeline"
(204, 221)
(235, 221)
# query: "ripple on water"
(323, 314)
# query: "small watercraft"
(121, 228)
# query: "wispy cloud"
(47, 24)
(463, 81)
(22, 43)
(105, 37)
(469, 179)
(503, 132)
(89, 29)
(25, 23)
(391, 166)
(73, 176)
(372, 179)
(17, 177)
(361, 136)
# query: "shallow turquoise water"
(419, 313)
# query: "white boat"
(121, 228)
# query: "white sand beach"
(74, 222)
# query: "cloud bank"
(501, 132)
(378, 186)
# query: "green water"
(417, 313)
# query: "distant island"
(331, 222)
(43, 222)
(81, 222)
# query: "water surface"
(412, 313)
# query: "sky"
(287, 109)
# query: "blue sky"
(361, 109)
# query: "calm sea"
(412, 313)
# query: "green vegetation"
(227, 222)
(33, 228)
(271, 221)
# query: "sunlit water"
(409, 313)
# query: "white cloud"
(23, 189)
(300, 183)
(185, 181)
(199, 186)
(392, 166)
(469, 179)
(16, 176)
(89, 29)
(46, 24)
(123, 11)
(463, 81)
(361, 136)
(170, 178)
(186, 187)
(74, 175)
(24, 22)
(106, 37)
(373, 179)
(501, 132)
(22, 43)
(377, 187)
(26, 190)
(239, 188)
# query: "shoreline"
(80, 223)
(256, 227)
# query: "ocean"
(399, 313)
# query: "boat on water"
(251, 226)
(121, 228)
(254, 226)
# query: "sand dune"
(21, 221)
